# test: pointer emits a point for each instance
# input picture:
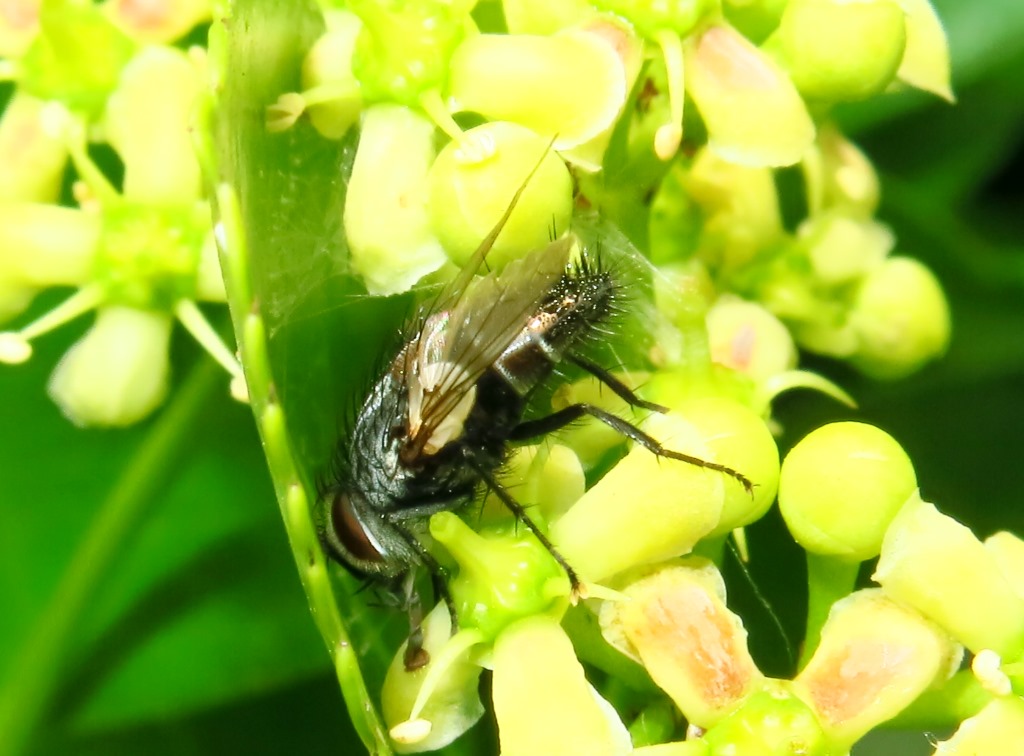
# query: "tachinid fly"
(439, 423)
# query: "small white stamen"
(196, 323)
(987, 668)
(14, 349)
(411, 731)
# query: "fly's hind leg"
(520, 513)
(563, 417)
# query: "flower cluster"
(140, 255)
(597, 91)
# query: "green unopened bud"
(925, 63)
(651, 17)
(449, 708)
(772, 722)
(33, 158)
(571, 85)
(842, 249)
(901, 319)
(675, 622)
(873, 660)
(468, 194)
(157, 23)
(755, 19)
(404, 47)
(841, 486)
(645, 509)
(934, 564)
(118, 372)
(1008, 550)
(62, 62)
(837, 50)
(327, 69)
(991, 731)
(542, 700)
(46, 245)
(386, 220)
(747, 338)
(504, 574)
(753, 113)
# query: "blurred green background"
(199, 639)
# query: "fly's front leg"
(520, 513)
(415, 655)
(558, 420)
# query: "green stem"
(36, 671)
(828, 580)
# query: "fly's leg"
(558, 420)
(415, 655)
(520, 513)
(620, 389)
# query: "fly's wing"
(483, 323)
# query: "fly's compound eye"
(350, 534)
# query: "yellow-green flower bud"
(755, 19)
(740, 440)
(591, 439)
(61, 62)
(117, 373)
(19, 25)
(1008, 550)
(547, 476)
(925, 63)
(33, 159)
(386, 220)
(543, 702)
(571, 85)
(934, 564)
(772, 722)
(842, 249)
(753, 113)
(678, 748)
(837, 50)
(841, 486)
(741, 209)
(875, 657)
(901, 319)
(544, 16)
(147, 120)
(404, 47)
(504, 574)
(653, 16)
(996, 728)
(645, 509)
(675, 622)
(747, 338)
(839, 176)
(451, 708)
(468, 194)
(157, 23)
(328, 68)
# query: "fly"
(439, 423)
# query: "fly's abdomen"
(580, 300)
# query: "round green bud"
(841, 486)
(748, 338)
(842, 249)
(772, 722)
(469, 193)
(505, 574)
(991, 730)
(653, 16)
(901, 319)
(837, 50)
